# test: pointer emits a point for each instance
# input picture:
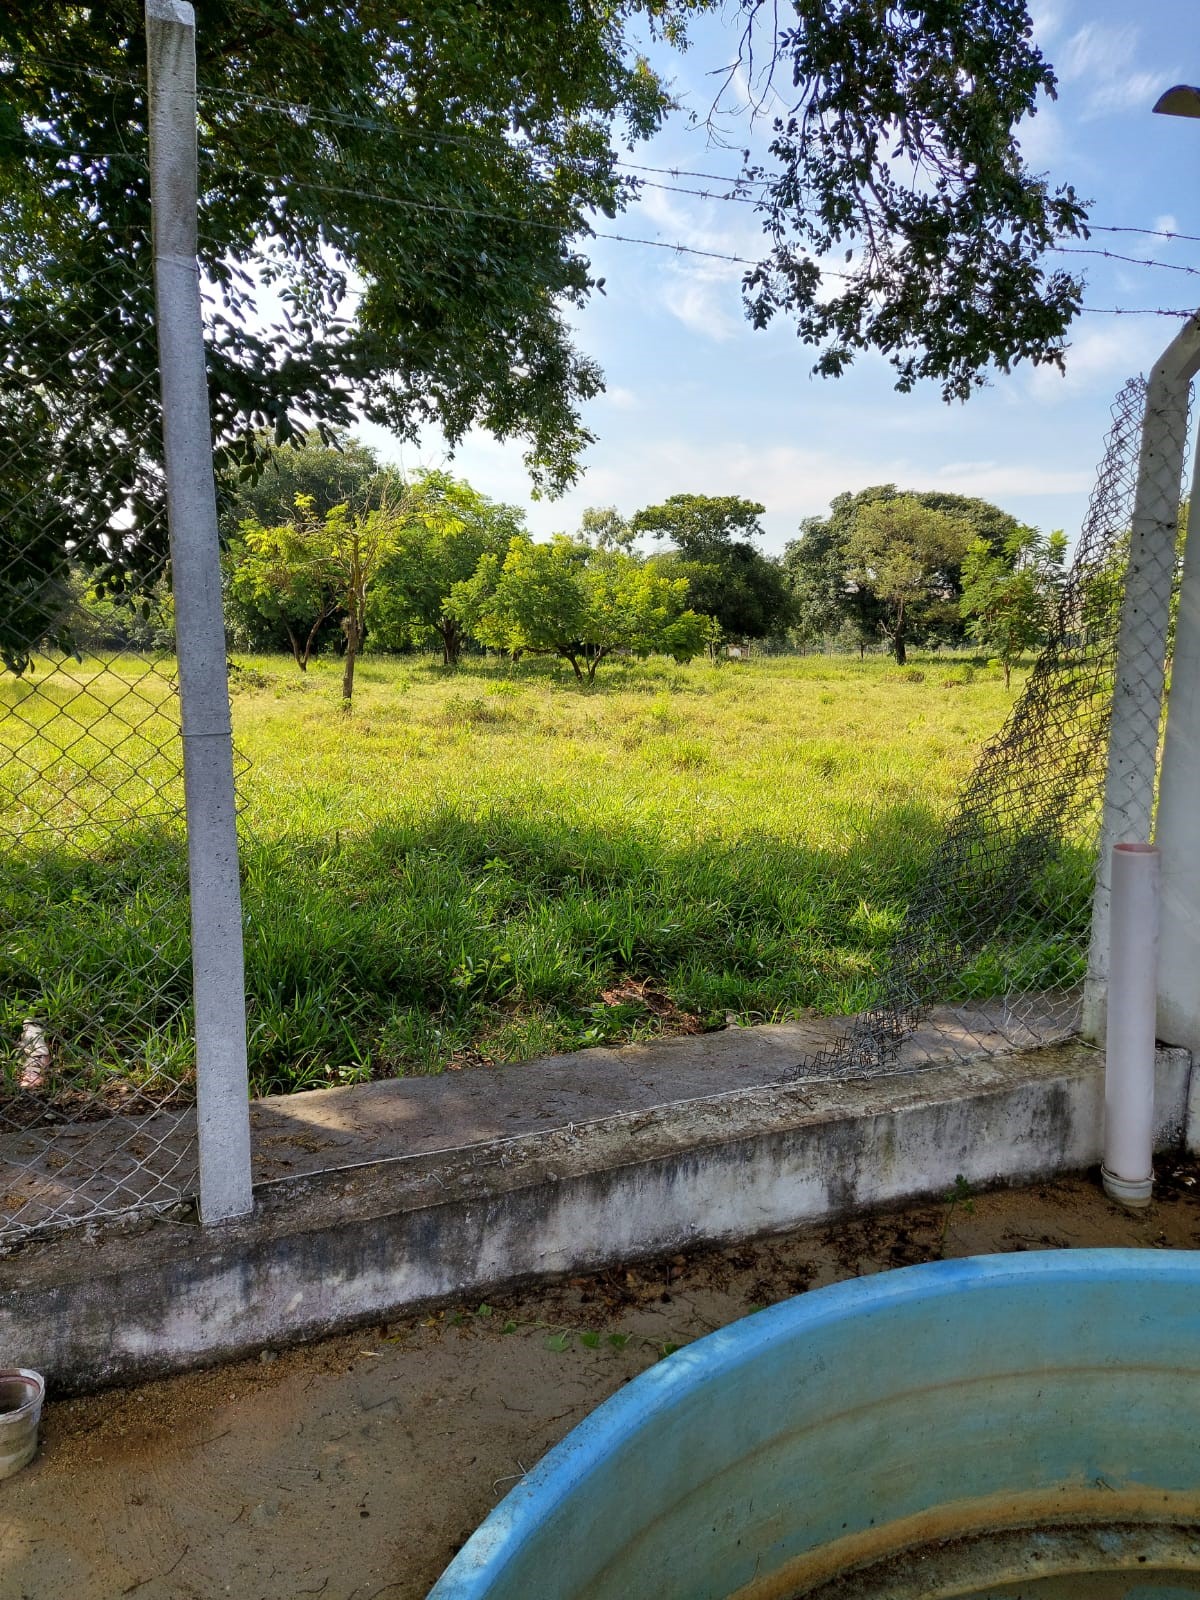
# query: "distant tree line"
(328, 549)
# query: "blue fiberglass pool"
(1003, 1426)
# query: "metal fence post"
(223, 1114)
(1142, 644)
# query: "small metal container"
(21, 1396)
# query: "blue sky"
(699, 402)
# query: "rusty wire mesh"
(993, 949)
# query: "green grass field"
(469, 863)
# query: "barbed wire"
(306, 113)
(675, 247)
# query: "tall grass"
(466, 864)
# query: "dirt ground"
(354, 1468)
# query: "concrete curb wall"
(108, 1305)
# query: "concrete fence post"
(223, 1112)
(1177, 831)
(1142, 644)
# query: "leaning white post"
(1178, 825)
(223, 1112)
(1142, 643)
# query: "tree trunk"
(898, 646)
(574, 665)
(311, 641)
(352, 640)
(451, 643)
(300, 660)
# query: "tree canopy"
(447, 530)
(328, 564)
(904, 553)
(411, 186)
(441, 160)
(1010, 598)
(275, 585)
(831, 590)
(727, 577)
(577, 603)
(897, 160)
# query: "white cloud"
(1097, 60)
(791, 481)
(699, 304)
(1128, 92)
(1103, 355)
(1046, 20)
(1097, 51)
(1150, 248)
(996, 480)
(699, 291)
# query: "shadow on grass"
(409, 947)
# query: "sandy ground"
(355, 1468)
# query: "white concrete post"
(1128, 1168)
(1178, 824)
(223, 1111)
(1142, 643)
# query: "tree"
(331, 470)
(817, 566)
(578, 604)
(904, 553)
(331, 562)
(606, 528)
(273, 590)
(443, 159)
(447, 529)
(727, 577)
(282, 576)
(898, 162)
(1010, 598)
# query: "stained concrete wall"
(326, 1252)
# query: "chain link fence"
(98, 1004)
(994, 949)
(101, 798)
(97, 1063)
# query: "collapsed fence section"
(1005, 934)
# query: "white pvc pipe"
(1128, 1170)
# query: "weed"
(958, 1197)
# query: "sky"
(699, 402)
